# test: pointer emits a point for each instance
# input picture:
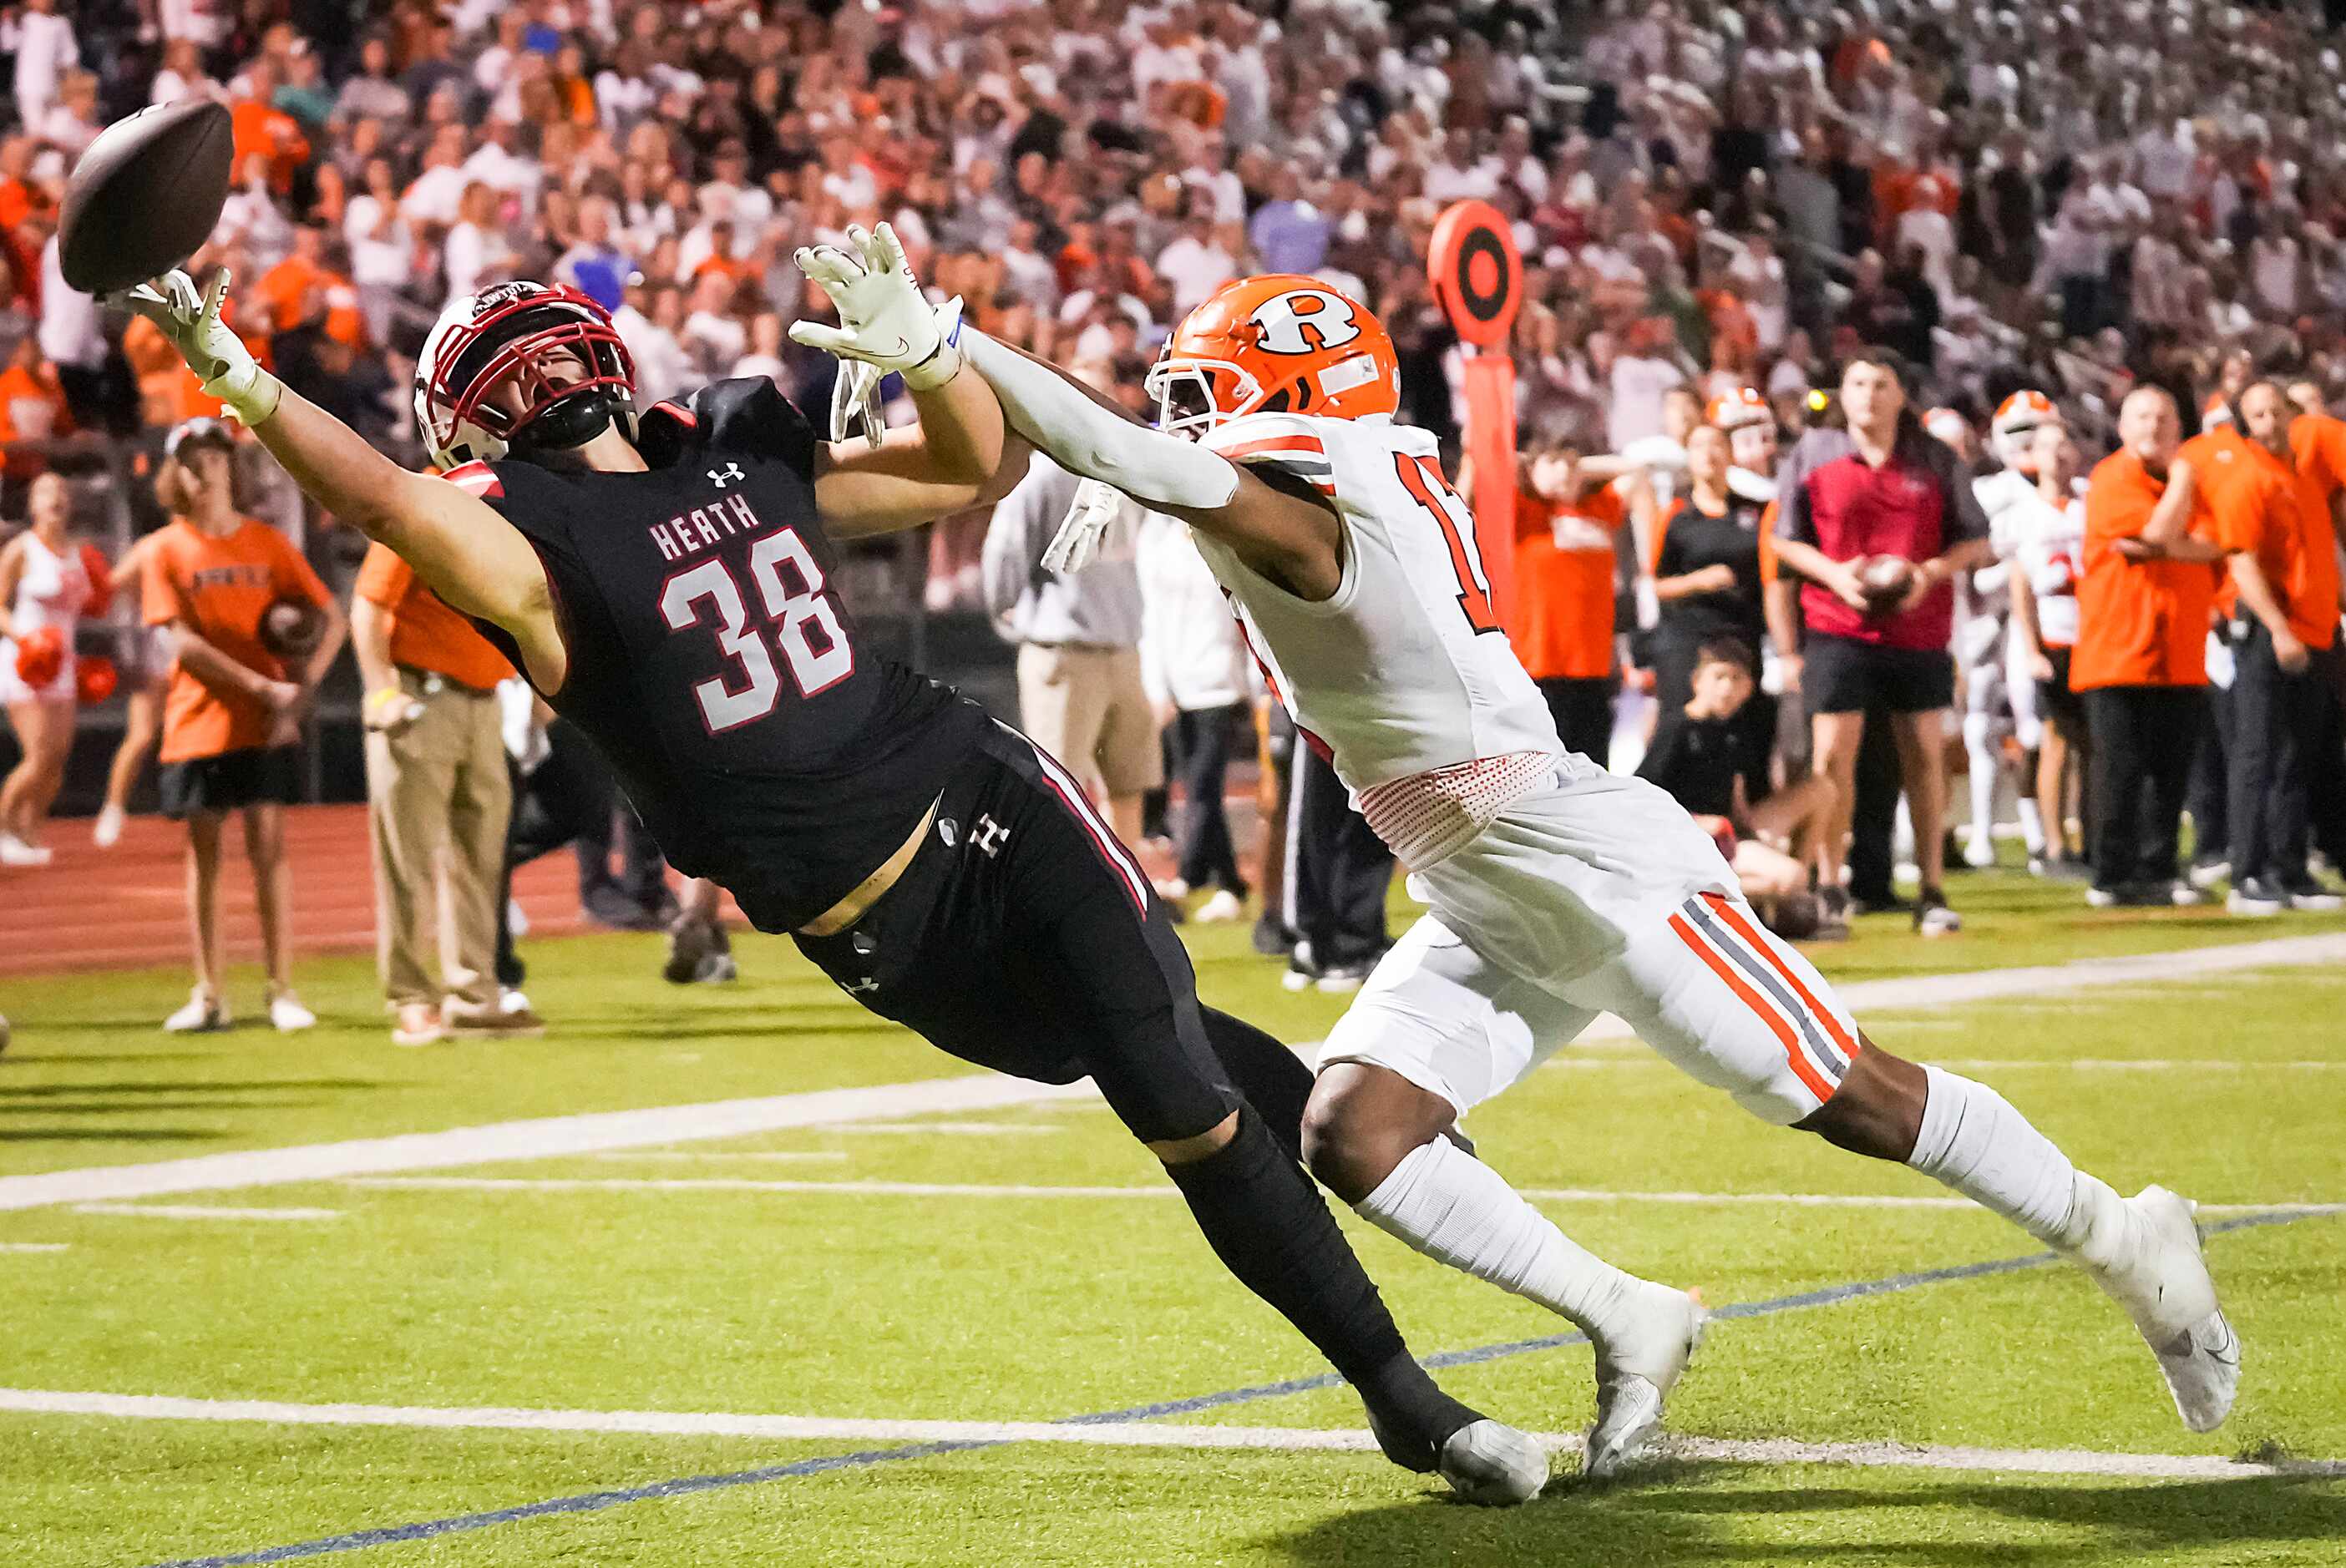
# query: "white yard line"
(925, 1128)
(200, 1211)
(1115, 1434)
(1017, 1190)
(767, 1155)
(33, 1246)
(544, 1137)
(552, 1137)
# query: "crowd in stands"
(1719, 206)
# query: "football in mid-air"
(290, 628)
(145, 195)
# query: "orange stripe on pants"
(1719, 966)
(1766, 951)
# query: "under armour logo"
(729, 474)
(863, 987)
(989, 835)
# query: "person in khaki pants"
(438, 797)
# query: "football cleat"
(1490, 1463)
(1637, 1365)
(2167, 1289)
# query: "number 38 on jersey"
(798, 621)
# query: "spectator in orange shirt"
(2273, 523)
(232, 715)
(259, 127)
(2140, 659)
(438, 800)
(32, 407)
(1568, 515)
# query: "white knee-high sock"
(1979, 743)
(1974, 1142)
(1455, 1209)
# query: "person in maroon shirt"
(1879, 519)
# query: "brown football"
(290, 628)
(145, 195)
(1885, 580)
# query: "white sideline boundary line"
(594, 1132)
(201, 1211)
(545, 1137)
(1015, 1189)
(1112, 1434)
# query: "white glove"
(218, 356)
(1076, 544)
(885, 319)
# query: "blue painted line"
(594, 1502)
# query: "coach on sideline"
(2141, 657)
(438, 797)
(2273, 523)
(1881, 488)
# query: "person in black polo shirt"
(1707, 575)
(1879, 519)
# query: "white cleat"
(2167, 1291)
(288, 1015)
(1637, 1364)
(1490, 1463)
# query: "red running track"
(127, 906)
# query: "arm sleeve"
(1964, 519)
(1794, 520)
(382, 578)
(1011, 552)
(1089, 441)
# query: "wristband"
(250, 392)
(943, 363)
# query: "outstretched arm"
(1292, 541)
(885, 321)
(458, 544)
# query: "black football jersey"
(714, 665)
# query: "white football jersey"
(2048, 547)
(1405, 670)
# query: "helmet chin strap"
(570, 424)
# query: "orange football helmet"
(1730, 412)
(2014, 429)
(1280, 344)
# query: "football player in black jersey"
(662, 576)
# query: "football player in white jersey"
(1995, 681)
(1557, 890)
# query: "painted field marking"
(1115, 1434)
(544, 1137)
(200, 1211)
(718, 1155)
(1026, 1190)
(685, 1486)
(34, 1246)
(965, 1128)
(550, 1137)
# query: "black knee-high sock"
(1269, 1227)
(1273, 1079)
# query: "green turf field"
(662, 1298)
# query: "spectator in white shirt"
(477, 254)
(1193, 665)
(182, 75)
(45, 51)
(713, 337)
(434, 194)
(1199, 262)
(663, 369)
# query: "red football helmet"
(509, 335)
(1278, 343)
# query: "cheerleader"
(45, 586)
